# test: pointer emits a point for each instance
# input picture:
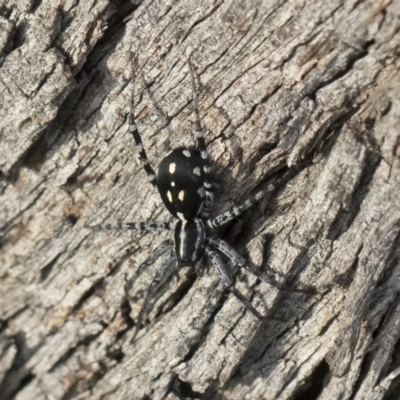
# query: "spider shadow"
(91, 84)
(256, 359)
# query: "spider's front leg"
(241, 262)
(229, 281)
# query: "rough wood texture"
(313, 86)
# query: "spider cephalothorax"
(185, 186)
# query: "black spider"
(185, 186)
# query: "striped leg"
(159, 278)
(199, 267)
(201, 145)
(138, 226)
(227, 250)
(229, 282)
(133, 129)
(238, 260)
(235, 211)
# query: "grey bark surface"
(312, 87)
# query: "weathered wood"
(311, 86)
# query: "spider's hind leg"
(136, 137)
(235, 211)
(201, 146)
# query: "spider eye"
(189, 241)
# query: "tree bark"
(307, 87)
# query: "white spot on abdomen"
(197, 171)
(186, 153)
(169, 195)
(172, 168)
(181, 195)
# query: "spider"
(185, 185)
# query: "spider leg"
(157, 253)
(160, 275)
(227, 250)
(240, 261)
(199, 267)
(136, 136)
(138, 226)
(235, 211)
(201, 145)
(229, 282)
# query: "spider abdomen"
(180, 181)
